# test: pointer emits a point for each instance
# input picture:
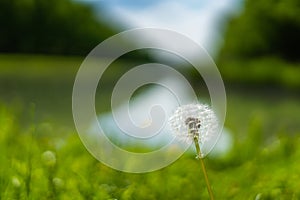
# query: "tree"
(49, 26)
(269, 28)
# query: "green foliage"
(265, 71)
(265, 28)
(262, 44)
(52, 26)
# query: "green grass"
(262, 71)
(253, 167)
(35, 116)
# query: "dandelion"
(195, 123)
(49, 158)
(58, 183)
(16, 182)
(194, 120)
(49, 161)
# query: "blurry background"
(255, 45)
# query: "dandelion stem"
(203, 168)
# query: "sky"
(200, 20)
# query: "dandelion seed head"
(194, 120)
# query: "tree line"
(49, 27)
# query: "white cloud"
(198, 21)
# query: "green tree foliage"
(269, 28)
(49, 26)
(262, 45)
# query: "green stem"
(203, 168)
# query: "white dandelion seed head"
(194, 120)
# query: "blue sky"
(143, 3)
(200, 20)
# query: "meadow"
(42, 156)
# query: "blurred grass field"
(36, 116)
